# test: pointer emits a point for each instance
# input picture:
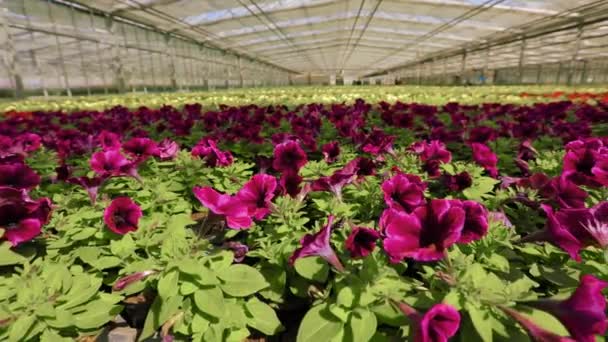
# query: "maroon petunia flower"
(432, 154)
(257, 195)
(426, 233)
(377, 142)
(584, 313)
(122, 215)
(600, 170)
(318, 245)
(289, 156)
(484, 156)
(240, 250)
(290, 183)
(90, 184)
(235, 211)
(458, 182)
(18, 176)
(112, 163)
(582, 159)
(438, 324)
(331, 151)
(28, 142)
(404, 192)
(361, 242)
(21, 217)
(475, 223)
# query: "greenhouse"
(303, 170)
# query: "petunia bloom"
(289, 156)
(207, 149)
(426, 233)
(18, 176)
(141, 148)
(361, 242)
(475, 223)
(535, 332)
(122, 215)
(21, 217)
(318, 245)
(432, 154)
(257, 195)
(109, 140)
(167, 149)
(404, 192)
(240, 250)
(331, 151)
(484, 156)
(437, 324)
(458, 182)
(125, 281)
(584, 162)
(583, 313)
(112, 163)
(236, 212)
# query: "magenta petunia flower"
(207, 149)
(290, 183)
(236, 212)
(257, 195)
(335, 182)
(289, 156)
(125, 281)
(437, 324)
(583, 313)
(558, 234)
(404, 192)
(361, 242)
(167, 149)
(91, 185)
(377, 142)
(475, 223)
(318, 245)
(331, 151)
(535, 332)
(564, 192)
(432, 154)
(21, 217)
(19, 176)
(426, 233)
(108, 163)
(141, 148)
(484, 156)
(600, 170)
(122, 215)
(109, 140)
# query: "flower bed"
(316, 222)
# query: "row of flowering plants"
(338, 222)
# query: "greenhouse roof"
(351, 36)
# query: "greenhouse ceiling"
(357, 37)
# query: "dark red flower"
(475, 223)
(235, 211)
(257, 195)
(331, 151)
(21, 217)
(458, 182)
(19, 176)
(141, 148)
(432, 154)
(122, 215)
(289, 156)
(361, 242)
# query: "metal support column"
(584, 72)
(486, 64)
(33, 56)
(7, 49)
(520, 65)
(241, 79)
(64, 72)
(463, 67)
(577, 47)
(119, 72)
(539, 72)
(100, 64)
(559, 73)
(172, 70)
(83, 67)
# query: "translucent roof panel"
(335, 36)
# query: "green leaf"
(190, 266)
(262, 317)
(168, 284)
(123, 247)
(88, 254)
(362, 326)
(83, 234)
(20, 328)
(106, 262)
(210, 301)
(481, 323)
(312, 268)
(62, 319)
(8, 257)
(51, 336)
(92, 319)
(319, 325)
(241, 280)
(548, 322)
(160, 311)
